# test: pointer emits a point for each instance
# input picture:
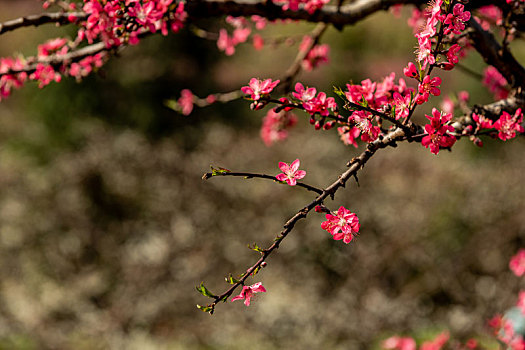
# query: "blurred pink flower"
(248, 292)
(517, 263)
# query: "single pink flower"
(482, 121)
(186, 101)
(343, 225)
(411, 71)
(437, 131)
(290, 173)
(258, 88)
(248, 292)
(509, 126)
(517, 263)
(456, 19)
(426, 87)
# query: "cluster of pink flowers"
(290, 173)
(115, 24)
(382, 96)
(407, 343)
(309, 5)
(241, 33)
(10, 81)
(316, 56)
(275, 126)
(496, 83)
(507, 126)
(342, 225)
(438, 132)
(503, 330)
(248, 292)
(313, 104)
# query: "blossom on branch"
(509, 126)
(456, 19)
(259, 88)
(248, 292)
(290, 173)
(517, 263)
(437, 132)
(343, 225)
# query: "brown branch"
(494, 55)
(355, 165)
(58, 60)
(37, 20)
(295, 68)
(261, 176)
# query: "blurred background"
(106, 226)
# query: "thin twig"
(261, 176)
(43, 18)
(295, 68)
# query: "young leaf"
(205, 308)
(204, 291)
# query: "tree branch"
(494, 55)
(261, 176)
(43, 18)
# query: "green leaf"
(204, 291)
(256, 270)
(339, 92)
(205, 308)
(219, 170)
(231, 280)
(256, 248)
(172, 104)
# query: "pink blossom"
(417, 21)
(259, 88)
(315, 57)
(411, 71)
(399, 343)
(456, 19)
(290, 173)
(258, 42)
(447, 105)
(437, 132)
(438, 342)
(482, 121)
(424, 52)
(343, 225)
(495, 82)
(402, 105)
(186, 101)
(320, 104)
(349, 135)
(53, 46)
(426, 87)
(517, 263)
(225, 43)
(304, 94)
(452, 53)
(508, 126)
(45, 74)
(248, 292)
(275, 125)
